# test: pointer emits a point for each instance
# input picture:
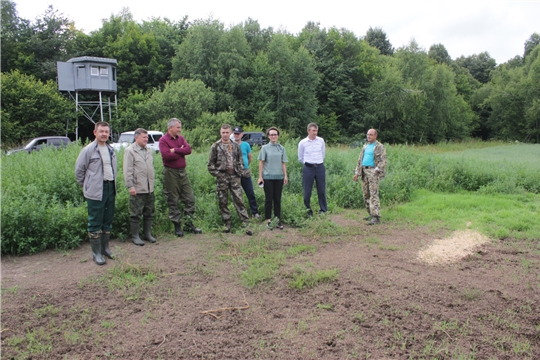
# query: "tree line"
(205, 73)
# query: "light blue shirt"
(369, 155)
(246, 149)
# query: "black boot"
(178, 229)
(135, 233)
(95, 244)
(193, 228)
(147, 227)
(105, 251)
(227, 227)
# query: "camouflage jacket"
(379, 157)
(217, 161)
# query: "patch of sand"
(457, 246)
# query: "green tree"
(32, 108)
(184, 99)
(531, 43)
(377, 38)
(479, 65)
(439, 53)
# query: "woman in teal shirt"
(273, 175)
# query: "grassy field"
(43, 206)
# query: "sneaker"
(256, 216)
(249, 232)
(269, 225)
(280, 225)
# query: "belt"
(179, 169)
(368, 167)
(313, 165)
(108, 181)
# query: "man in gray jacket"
(139, 179)
(95, 171)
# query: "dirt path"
(384, 302)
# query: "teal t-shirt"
(369, 155)
(246, 149)
(273, 156)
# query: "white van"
(126, 138)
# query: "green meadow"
(492, 187)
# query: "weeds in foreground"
(130, 280)
(302, 279)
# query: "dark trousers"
(247, 185)
(176, 186)
(101, 212)
(272, 193)
(141, 204)
(314, 174)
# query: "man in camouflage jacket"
(371, 167)
(226, 164)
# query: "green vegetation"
(204, 71)
(490, 187)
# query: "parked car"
(38, 143)
(253, 138)
(126, 138)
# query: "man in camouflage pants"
(371, 167)
(139, 179)
(226, 164)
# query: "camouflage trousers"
(141, 204)
(226, 183)
(370, 188)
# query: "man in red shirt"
(176, 185)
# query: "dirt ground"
(386, 302)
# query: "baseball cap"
(238, 130)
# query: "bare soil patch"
(190, 302)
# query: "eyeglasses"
(272, 134)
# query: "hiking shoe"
(280, 225)
(269, 225)
(249, 232)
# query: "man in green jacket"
(226, 164)
(139, 179)
(371, 167)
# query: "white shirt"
(311, 151)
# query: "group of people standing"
(229, 162)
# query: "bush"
(43, 206)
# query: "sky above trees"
(463, 27)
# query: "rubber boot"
(194, 229)
(178, 229)
(95, 244)
(105, 251)
(375, 220)
(135, 234)
(147, 227)
(227, 227)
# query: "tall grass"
(43, 206)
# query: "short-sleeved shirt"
(273, 156)
(246, 149)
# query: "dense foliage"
(43, 207)
(196, 70)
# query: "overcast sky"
(463, 27)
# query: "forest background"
(205, 74)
